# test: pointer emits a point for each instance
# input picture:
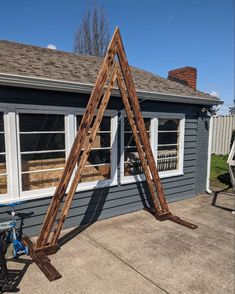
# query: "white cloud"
(51, 46)
(170, 17)
(214, 93)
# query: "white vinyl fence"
(222, 128)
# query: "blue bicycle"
(8, 225)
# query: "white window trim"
(113, 181)
(45, 191)
(140, 177)
(154, 143)
(7, 153)
(181, 117)
(11, 112)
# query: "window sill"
(37, 195)
(175, 173)
(141, 178)
(96, 185)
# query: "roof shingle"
(28, 60)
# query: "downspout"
(209, 156)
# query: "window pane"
(40, 180)
(133, 168)
(131, 154)
(167, 161)
(39, 142)
(127, 127)
(168, 144)
(40, 133)
(2, 143)
(98, 157)
(3, 169)
(3, 164)
(44, 161)
(132, 165)
(96, 173)
(30, 122)
(101, 140)
(98, 165)
(1, 122)
(3, 184)
(168, 124)
(129, 139)
(105, 124)
(165, 149)
(167, 138)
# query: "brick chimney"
(185, 75)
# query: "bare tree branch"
(92, 36)
(232, 108)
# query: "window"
(3, 168)
(100, 168)
(169, 150)
(38, 139)
(35, 141)
(168, 144)
(41, 149)
(132, 165)
(166, 134)
(98, 165)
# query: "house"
(43, 95)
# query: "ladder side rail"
(83, 159)
(76, 148)
(140, 121)
(59, 194)
(138, 142)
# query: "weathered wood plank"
(49, 250)
(42, 261)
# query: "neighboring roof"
(26, 60)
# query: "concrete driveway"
(134, 253)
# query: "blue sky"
(158, 35)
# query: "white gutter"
(68, 86)
(208, 190)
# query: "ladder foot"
(161, 217)
(42, 261)
(49, 249)
(171, 217)
(181, 222)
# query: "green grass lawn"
(219, 178)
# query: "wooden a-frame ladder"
(113, 71)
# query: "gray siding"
(96, 204)
(202, 153)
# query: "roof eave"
(68, 86)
